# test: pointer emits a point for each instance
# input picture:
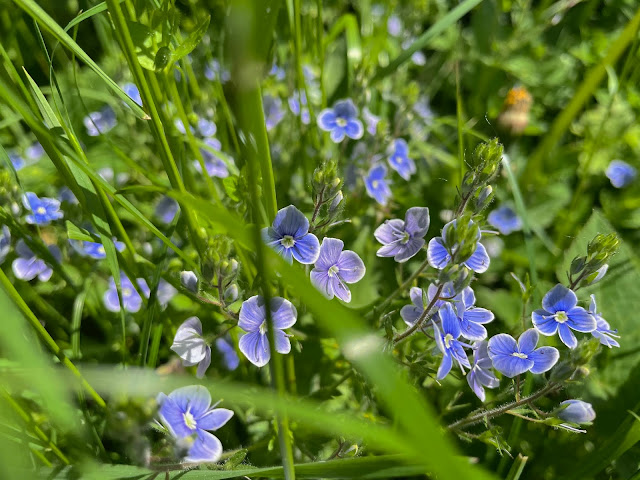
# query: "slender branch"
(486, 414)
(422, 319)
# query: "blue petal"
(457, 351)
(204, 364)
(172, 415)
(252, 314)
(445, 366)
(340, 289)
(478, 315)
(351, 268)
(390, 231)
(476, 385)
(437, 253)
(321, 280)
(567, 336)
(354, 129)
(283, 313)
(528, 341)
(502, 344)
(337, 134)
(111, 301)
(544, 358)
(214, 419)
(255, 346)
(283, 345)
(345, 109)
(581, 320)
(391, 250)
(415, 294)
(306, 249)
(205, 448)
(195, 399)
(409, 250)
(417, 221)
(544, 322)
(330, 251)
(511, 366)
(559, 298)
(479, 261)
(327, 120)
(450, 322)
(26, 268)
(290, 221)
(469, 300)
(410, 314)
(472, 331)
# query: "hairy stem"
(422, 319)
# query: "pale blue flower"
(513, 358)
(214, 71)
(43, 210)
(481, 374)
(621, 173)
(191, 346)
(403, 239)
(377, 185)
(229, 355)
(440, 254)
(273, 112)
(35, 151)
(28, 266)
(289, 236)
(96, 249)
(131, 299)
(371, 120)
(335, 268)
(100, 122)
(576, 411)
(341, 120)
(399, 159)
(505, 219)
(167, 209)
(603, 330)
(448, 343)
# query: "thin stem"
(422, 319)
(487, 414)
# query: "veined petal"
(329, 253)
(252, 314)
(283, 313)
(502, 344)
(195, 399)
(214, 419)
(409, 250)
(327, 120)
(528, 341)
(306, 249)
(283, 345)
(111, 301)
(340, 289)
(255, 346)
(567, 336)
(337, 134)
(450, 322)
(544, 322)
(204, 364)
(478, 315)
(581, 320)
(172, 416)
(291, 221)
(511, 366)
(388, 232)
(351, 267)
(205, 448)
(479, 260)
(320, 280)
(417, 221)
(410, 314)
(469, 300)
(471, 330)
(415, 294)
(445, 366)
(544, 358)
(437, 253)
(390, 250)
(354, 129)
(559, 298)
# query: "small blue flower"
(341, 120)
(17, 161)
(335, 268)
(621, 173)
(399, 159)
(298, 106)
(273, 112)
(423, 109)
(403, 239)
(561, 314)
(214, 71)
(513, 358)
(277, 72)
(132, 92)
(96, 249)
(28, 266)
(167, 209)
(410, 313)
(440, 254)
(481, 374)
(179, 124)
(191, 346)
(206, 127)
(43, 210)
(376, 184)
(418, 58)
(471, 317)
(131, 300)
(289, 236)
(215, 166)
(34, 152)
(188, 415)
(394, 25)
(371, 120)
(100, 122)
(603, 330)
(448, 343)
(253, 319)
(229, 355)
(5, 243)
(505, 219)
(576, 411)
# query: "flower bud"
(189, 280)
(231, 293)
(576, 411)
(335, 203)
(484, 198)
(596, 276)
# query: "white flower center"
(333, 271)
(405, 238)
(448, 338)
(341, 122)
(126, 292)
(189, 421)
(263, 327)
(41, 210)
(288, 241)
(375, 184)
(101, 250)
(561, 317)
(519, 355)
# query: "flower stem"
(426, 315)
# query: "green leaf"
(76, 233)
(192, 41)
(146, 42)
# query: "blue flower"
(576, 411)
(43, 210)
(335, 268)
(273, 112)
(132, 92)
(399, 159)
(215, 166)
(418, 58)
(621, 173)
(131, 299)
(298, 106)
(229, 355)
(481, 375)
(35, 151)
(289, 236)
(440, 254)
(5, 243)
(411, 313)
(188, 415)
(403, 239)
(28, 266)
(167, 209)
(17, 161)
(513, 358)
(341, 120)
(505, 220)
(214, 71)
(561, 314)
(191, 346)
(206, 128)
(371, 120)
(277, 72)
(394, 25)
(376, 184)
(253, 319)
(100, 122)
(471, 317)
(96, 249)
(448, 343)
(603, 331)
